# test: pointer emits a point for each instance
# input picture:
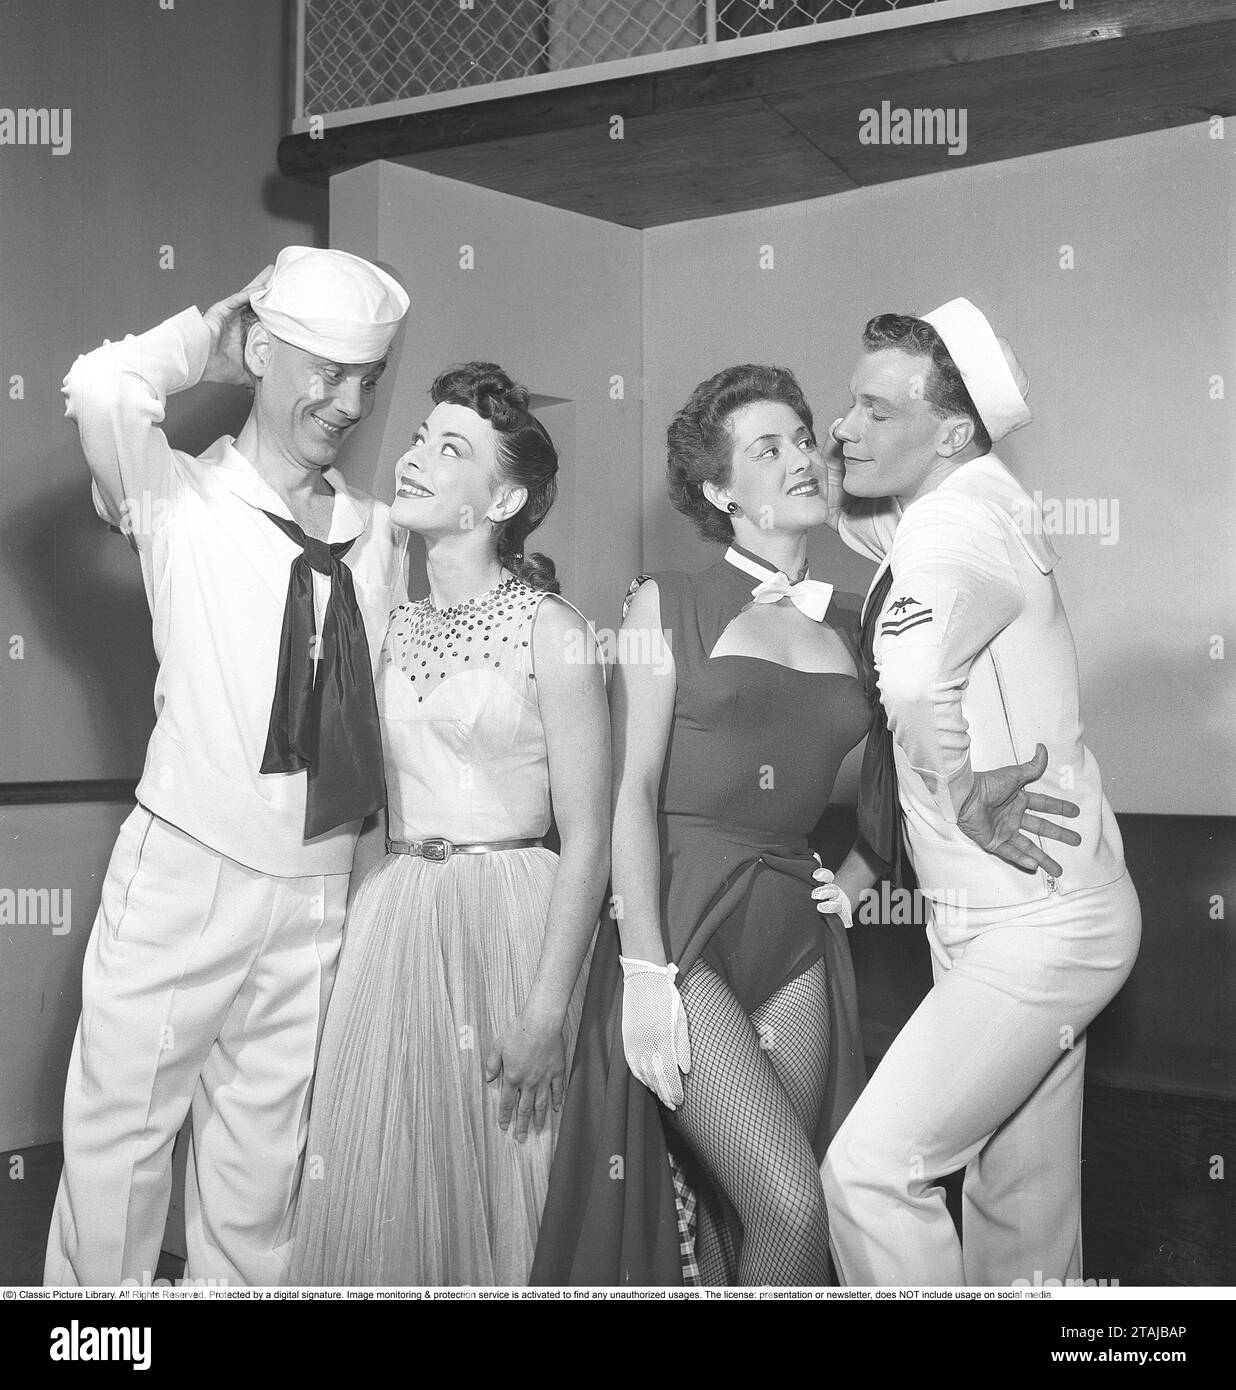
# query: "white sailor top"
(976, 666)
(216, 572)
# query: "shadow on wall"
(91, 621)
(80, 583)
(296, 202)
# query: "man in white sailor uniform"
(976, 668)
(270, 582)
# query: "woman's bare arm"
(642, 711)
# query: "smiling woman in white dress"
(449, 1035)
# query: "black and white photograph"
(613, 672)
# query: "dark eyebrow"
(423, 428)
(798, 434)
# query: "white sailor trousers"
(987, 1076)
(204, 985)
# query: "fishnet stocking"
(751, 1102)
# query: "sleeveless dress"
(407, 1177)
(753, 753)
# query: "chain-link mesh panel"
(361, 53)
(743, 19)
(599, 31)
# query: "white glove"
(654, 1029)
(831, 899)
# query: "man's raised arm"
(116, 396)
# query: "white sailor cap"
(331, 303)
(988, 366)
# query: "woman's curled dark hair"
(526, 456)
(700, 444)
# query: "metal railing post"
(298, 98)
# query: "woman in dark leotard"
(733, 707)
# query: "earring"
(732, 508)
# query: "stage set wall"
(175, 118)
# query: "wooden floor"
(27, 1195)
(1153, 1212)
(1159, 1188)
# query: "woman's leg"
(747, 1114)
(795, 1031)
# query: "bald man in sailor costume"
(270, 582)
(976, 668)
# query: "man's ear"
(506, 504)
(257, 347)
(958, 432)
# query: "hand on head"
(834, 469)
(226, 362)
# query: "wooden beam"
(667, 169)
(1028, 104)
(314, 159)
(58, 793)
(872, 59)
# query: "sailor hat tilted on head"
(988, 366)
(331, 303)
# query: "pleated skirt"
(407, 1177)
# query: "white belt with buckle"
(438, 850)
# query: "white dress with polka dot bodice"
(462, 733)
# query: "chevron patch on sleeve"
(903, 613)
(915, 617)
